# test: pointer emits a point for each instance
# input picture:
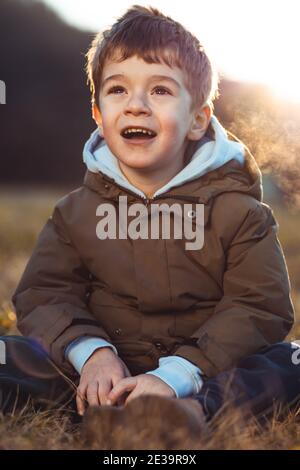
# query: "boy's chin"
(141, 165)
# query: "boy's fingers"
(124, 385)
(80, 402)
(103, 391)
(80, 405)
(130, 397)
(92, 395)
(127, 372)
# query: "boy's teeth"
(133, 130)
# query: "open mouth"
(138, 133)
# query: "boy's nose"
(137, 105)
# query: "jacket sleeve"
(81, 349)
(181, 375)
(51, 298)
(256, 309)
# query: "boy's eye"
(114, 89)
(118, 90)
(161, 90)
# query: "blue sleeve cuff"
(180, 374)
(82, 348)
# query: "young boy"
(124, 316)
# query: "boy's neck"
(149, 182)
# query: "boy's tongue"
(138, 135)
(138, 138)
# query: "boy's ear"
(201, 119)
(97, 117)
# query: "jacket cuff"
(180, 374)
(81, 349)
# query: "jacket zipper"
(147, 201)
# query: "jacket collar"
(232, 176)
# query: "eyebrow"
(120, 76)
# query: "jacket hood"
(226, 164)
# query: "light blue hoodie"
(211, 154)
(180, 374)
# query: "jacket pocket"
(132, 348)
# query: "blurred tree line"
(47, 119)
(47, 113)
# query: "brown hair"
(156, 38)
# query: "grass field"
(23, 212)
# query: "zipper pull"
(147, 201)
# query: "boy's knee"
(27, 356)
(284, 353)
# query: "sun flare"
(252, 41)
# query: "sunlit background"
(249, 40)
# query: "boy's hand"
(101, 372)
(139, 385)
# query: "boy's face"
(135, 94)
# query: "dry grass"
(28, 430)
(22, 216)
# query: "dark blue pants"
(257, 384)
